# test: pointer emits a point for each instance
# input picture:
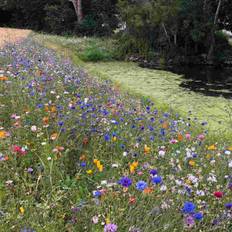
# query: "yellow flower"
(188, 182)
(21, 210)
(89, 171)
(98, 163)
(133, 166)
(146, 149)
(100, 168)
(212, 147)
(132, 169)
(192, 163)
(107, 220)
(230, 148)
(208, 156)
(95, 161)
(114, 139)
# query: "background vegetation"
(170, 31)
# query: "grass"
(163, 87)
(68, 140)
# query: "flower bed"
(76, 154)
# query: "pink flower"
(201, 137)
(95, 219)
(173, 141)
(188, 136)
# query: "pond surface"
(210, 81)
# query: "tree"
(171, 27)
(77, 4)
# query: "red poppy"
(218, 194)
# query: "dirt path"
(9, 35)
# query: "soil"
(9, 35)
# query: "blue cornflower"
(157, 179)
(198, 216)
(96, 193)
(107, 137)
(125, 182)
(228, 205)
(39, 105)
(141, 185)
(60, 123)
(27, 230)
(83, 164)
(162, 132)
(189, 207)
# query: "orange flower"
(4, 78)
(46, 108)
(192, 163)
(146, 149)
(148, 190)
(180, 137)
(45, 120)
(53, 109)
(165, 125)
(3, 134)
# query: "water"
(210, 81)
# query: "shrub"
(95, 53)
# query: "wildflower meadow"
(79, 154)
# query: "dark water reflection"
(210, 81)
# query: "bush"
(95, 53)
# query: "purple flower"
(125, 182)
(30, 170)
(189, 221)
(153, 172)
(110, 228)
(141, 185)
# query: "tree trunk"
(78, 9)
(166, 34)
(212, 42)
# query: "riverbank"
(77, 152)
(161, 86)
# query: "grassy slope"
(161, 86)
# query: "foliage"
(174, 27)
(94, 53)
(59, 16)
